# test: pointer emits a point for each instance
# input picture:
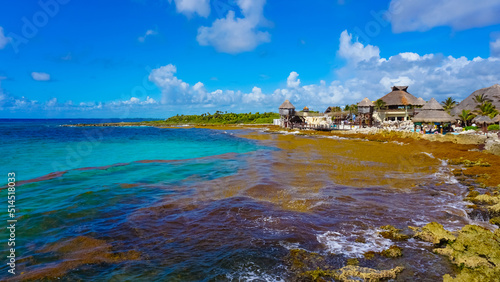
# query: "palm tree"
(486, 109)
(449, 104)
(379, 104)
(481, 98)
(465, 116)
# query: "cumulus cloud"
(236, 35)
(3, 39)
(355, 51)
(293, 80)
(422, 15)
(365, 74)
(40, 76)
(148, 33)
(428, 75)
(190, 7)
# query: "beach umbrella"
(483, 119)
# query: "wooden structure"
(432, 112)
(400, 104)
(365, 112)
(287, 112)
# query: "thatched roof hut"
(420, 101)
(483, 119)
(497, 118)
(400, 97)
(433, 104)
(287, 105)
(287, 109)
(365, 103)
(432, 111)
(492, 93)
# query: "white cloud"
(428, 75)
(355, 51)
(190, 7)
(365, 74)
(133, 101)
(40, 76)
(148, 33)
(236, 35)
(3, 39)
(292, 81)
(422, 15)
(495, 48)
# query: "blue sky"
(157, 58)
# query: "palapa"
(287, 105)
(432, 111)
(433, 116)
(432, 105)
(483, 119)
(365, 103)
(420, 101)
(400, 97)
(497, 118)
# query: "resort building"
(399, 104)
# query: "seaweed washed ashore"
(470, 164)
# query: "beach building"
(287, 112)
(430, 115)
(492, 93)
(399, 104)
(365, 111)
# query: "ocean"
(188, 204)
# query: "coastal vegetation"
(493, 127)
(219, 118)
(449, 104)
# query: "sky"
(158, 58)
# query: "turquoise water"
(87, 181)
(37, 148)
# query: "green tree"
(481, 98)
(449, 104)
(465, 116)
(380, 104)
(486, 109)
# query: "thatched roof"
(432, 111)
(287, 105)
(432, 105)
(433, 116)
(492, 93)
(400, 97)
(483, 119)
(497, 118)
(365, 103)
(420, 101)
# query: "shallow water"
(193, 204)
